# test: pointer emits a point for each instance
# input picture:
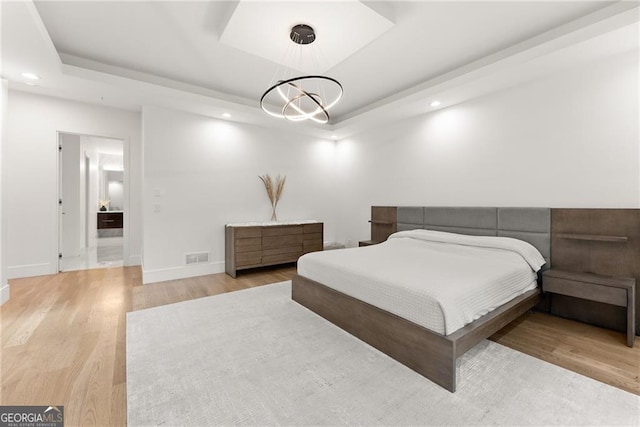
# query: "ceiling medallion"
(302, 97)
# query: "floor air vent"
(197, 258)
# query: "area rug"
(254, 357)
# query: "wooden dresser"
(251, 245)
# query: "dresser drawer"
(312, 247)
(281, 258)
(249, 244)
(244, 259)
(241, 232)
(312, 237)
(109, 220)
(282, 241)
(281, 251)
(285, 230)
(585, 290)
(312, 228)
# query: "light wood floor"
(63, 338)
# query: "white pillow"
(524, 249)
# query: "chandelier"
(299, 98)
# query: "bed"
(379, 293)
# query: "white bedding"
(438, 280)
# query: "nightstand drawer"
(590, 291)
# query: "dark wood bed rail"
(430, 354)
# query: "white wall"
(4, 285)
(203, 173)
(567, 140)
(31, 174)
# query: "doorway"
(91, 200)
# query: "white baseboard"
(18, 271)
(134, 260)
(4, 294)
(183, 272)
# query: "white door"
(70, 245)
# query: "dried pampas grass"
(274, 191)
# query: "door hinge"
(59, 201)
(60, 255)
(59, 147)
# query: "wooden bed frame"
(431, 354)
(428, 353)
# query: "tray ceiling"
(157, 51)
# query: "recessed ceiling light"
(226, 115)
(334, 137)
(435, 103)
(30, 76)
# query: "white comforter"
(441, 281)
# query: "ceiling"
(392, 58)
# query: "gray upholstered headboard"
(532, 225)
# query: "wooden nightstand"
(618, 291)
(383, 224)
